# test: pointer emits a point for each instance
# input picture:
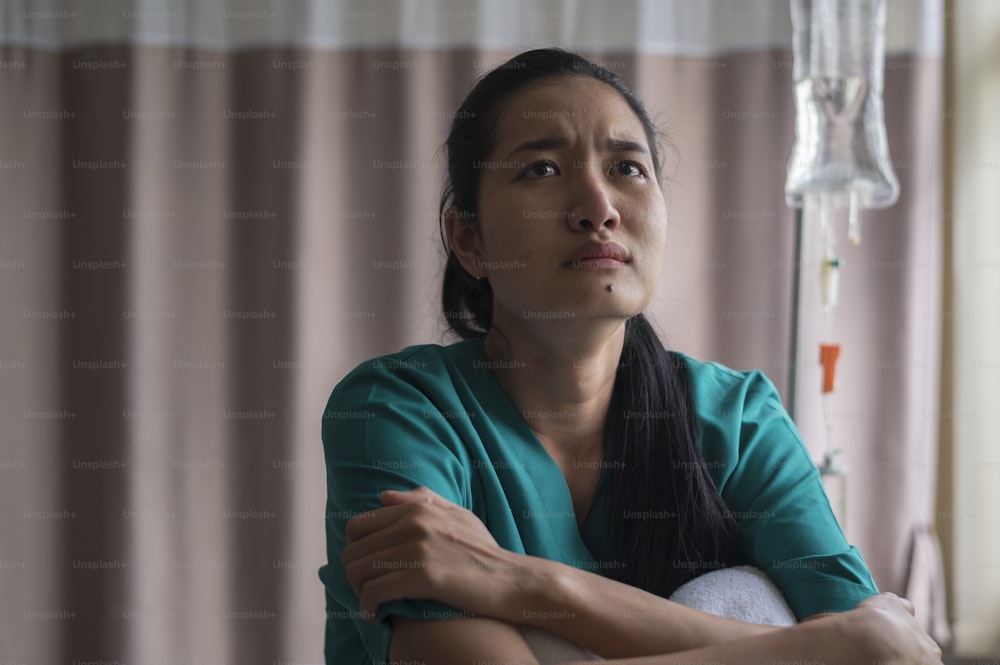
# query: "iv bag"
(841, 154)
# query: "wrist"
(542, 591)
(865, 628)
(848, 634)
(515, 588)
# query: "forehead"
(575, 106)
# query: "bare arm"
(615, 619)
(880, 629)
(452, 558)
(476, 641)
(458, 642)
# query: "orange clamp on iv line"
(828, 354)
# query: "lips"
(599, 255)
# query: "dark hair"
(651, 430)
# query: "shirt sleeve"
(776, 494)
(381, 431)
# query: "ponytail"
(667, 520)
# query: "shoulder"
(395, 421)
(426, 369)
(744, 431)
(401, 404)
(723, 394)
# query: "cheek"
(656, 227)
(651, 236)
(507, 241)
(658, 236)
(649, 220)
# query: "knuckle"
(420, 531)
(422, 523)
(426, 575)
(422, 551)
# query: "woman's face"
(572, 219)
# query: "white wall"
(976, 181)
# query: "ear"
(463, 238)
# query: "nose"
(592, 207)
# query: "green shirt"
(435, 416)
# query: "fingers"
(393, 505)
(891, 608)
(887, 599)
(370, 544)
(398, 560)
(384, 528)
(416, 495)
(365, 524)
(905, 602)
(387, 586)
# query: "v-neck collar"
(552, 492)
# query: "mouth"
(601, 256)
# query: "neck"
(560, 376)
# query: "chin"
(619, 310)
(586, 301)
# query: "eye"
(539, 169)
(629, 168)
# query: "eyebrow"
(624, 145)
(552, 142)
(544, 143)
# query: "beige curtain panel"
(211, 211)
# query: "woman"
(559, 468)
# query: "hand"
(893, 633)
(420, 545)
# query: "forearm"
(826, 643)
(614, 619)
(482, 640)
